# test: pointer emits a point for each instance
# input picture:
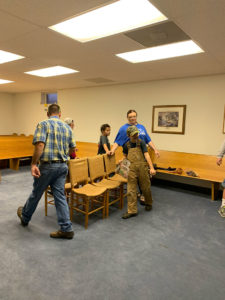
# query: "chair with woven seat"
(98, 178)
(110, 168)
(84, 196)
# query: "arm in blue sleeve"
(147, 137)
(121, 137)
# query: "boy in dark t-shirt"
(136, 152)
(104, 145)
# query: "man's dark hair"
(53, 109)
(104, 126)
(130, 111)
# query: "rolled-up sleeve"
(40, 133)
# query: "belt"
(53, 162)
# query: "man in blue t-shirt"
(122, 137)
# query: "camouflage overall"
(138, 172)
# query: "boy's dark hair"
(104, 126)
(53, 109)
(130, 111)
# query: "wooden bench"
(86, 149)
(203, 165)
(15, 148)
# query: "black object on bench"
(166, 169)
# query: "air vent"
(160, 34)
(99, 80)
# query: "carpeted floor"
(176, 251)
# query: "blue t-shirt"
(122, 137)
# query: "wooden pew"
(14, 148)
(86, 149)
(203, 165)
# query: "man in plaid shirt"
(53, 141)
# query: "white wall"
(28, 112)
(91, 107)
(6, 119)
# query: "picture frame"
(224, 121)
(169, 119)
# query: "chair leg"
(77, 201)
(107, 204)
(86, 212)
(104, 201)
(46, 202)
(121, 196)
(92, 204)
(71, 206)
(83, 200)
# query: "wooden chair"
(110, 167)
(49, 199)
(98, 178)
(84, 196)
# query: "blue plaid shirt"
(57, 137)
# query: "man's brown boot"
(129, 215)
(148, 207)
(62, 234)
(19, 214)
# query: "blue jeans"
(55, 176)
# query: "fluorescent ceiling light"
(7, 56)
(52, 71)
(161, 52)
(3, 81)
(114, 18)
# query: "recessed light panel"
(114, 18)
(161, 52)
(52, 71)
(7, 57)
(3, 81)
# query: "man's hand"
(152, 171)
(157, 153)
(219, 161)
(35, 171)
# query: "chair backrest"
(110, 163)
(78, 170)
(96, 167)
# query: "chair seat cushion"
(89, 190)
(119, 178)
(109, 184)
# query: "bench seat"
(203, 165)
(15, 148)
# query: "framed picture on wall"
(224, 121)
(168, 119)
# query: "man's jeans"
(55, 176)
